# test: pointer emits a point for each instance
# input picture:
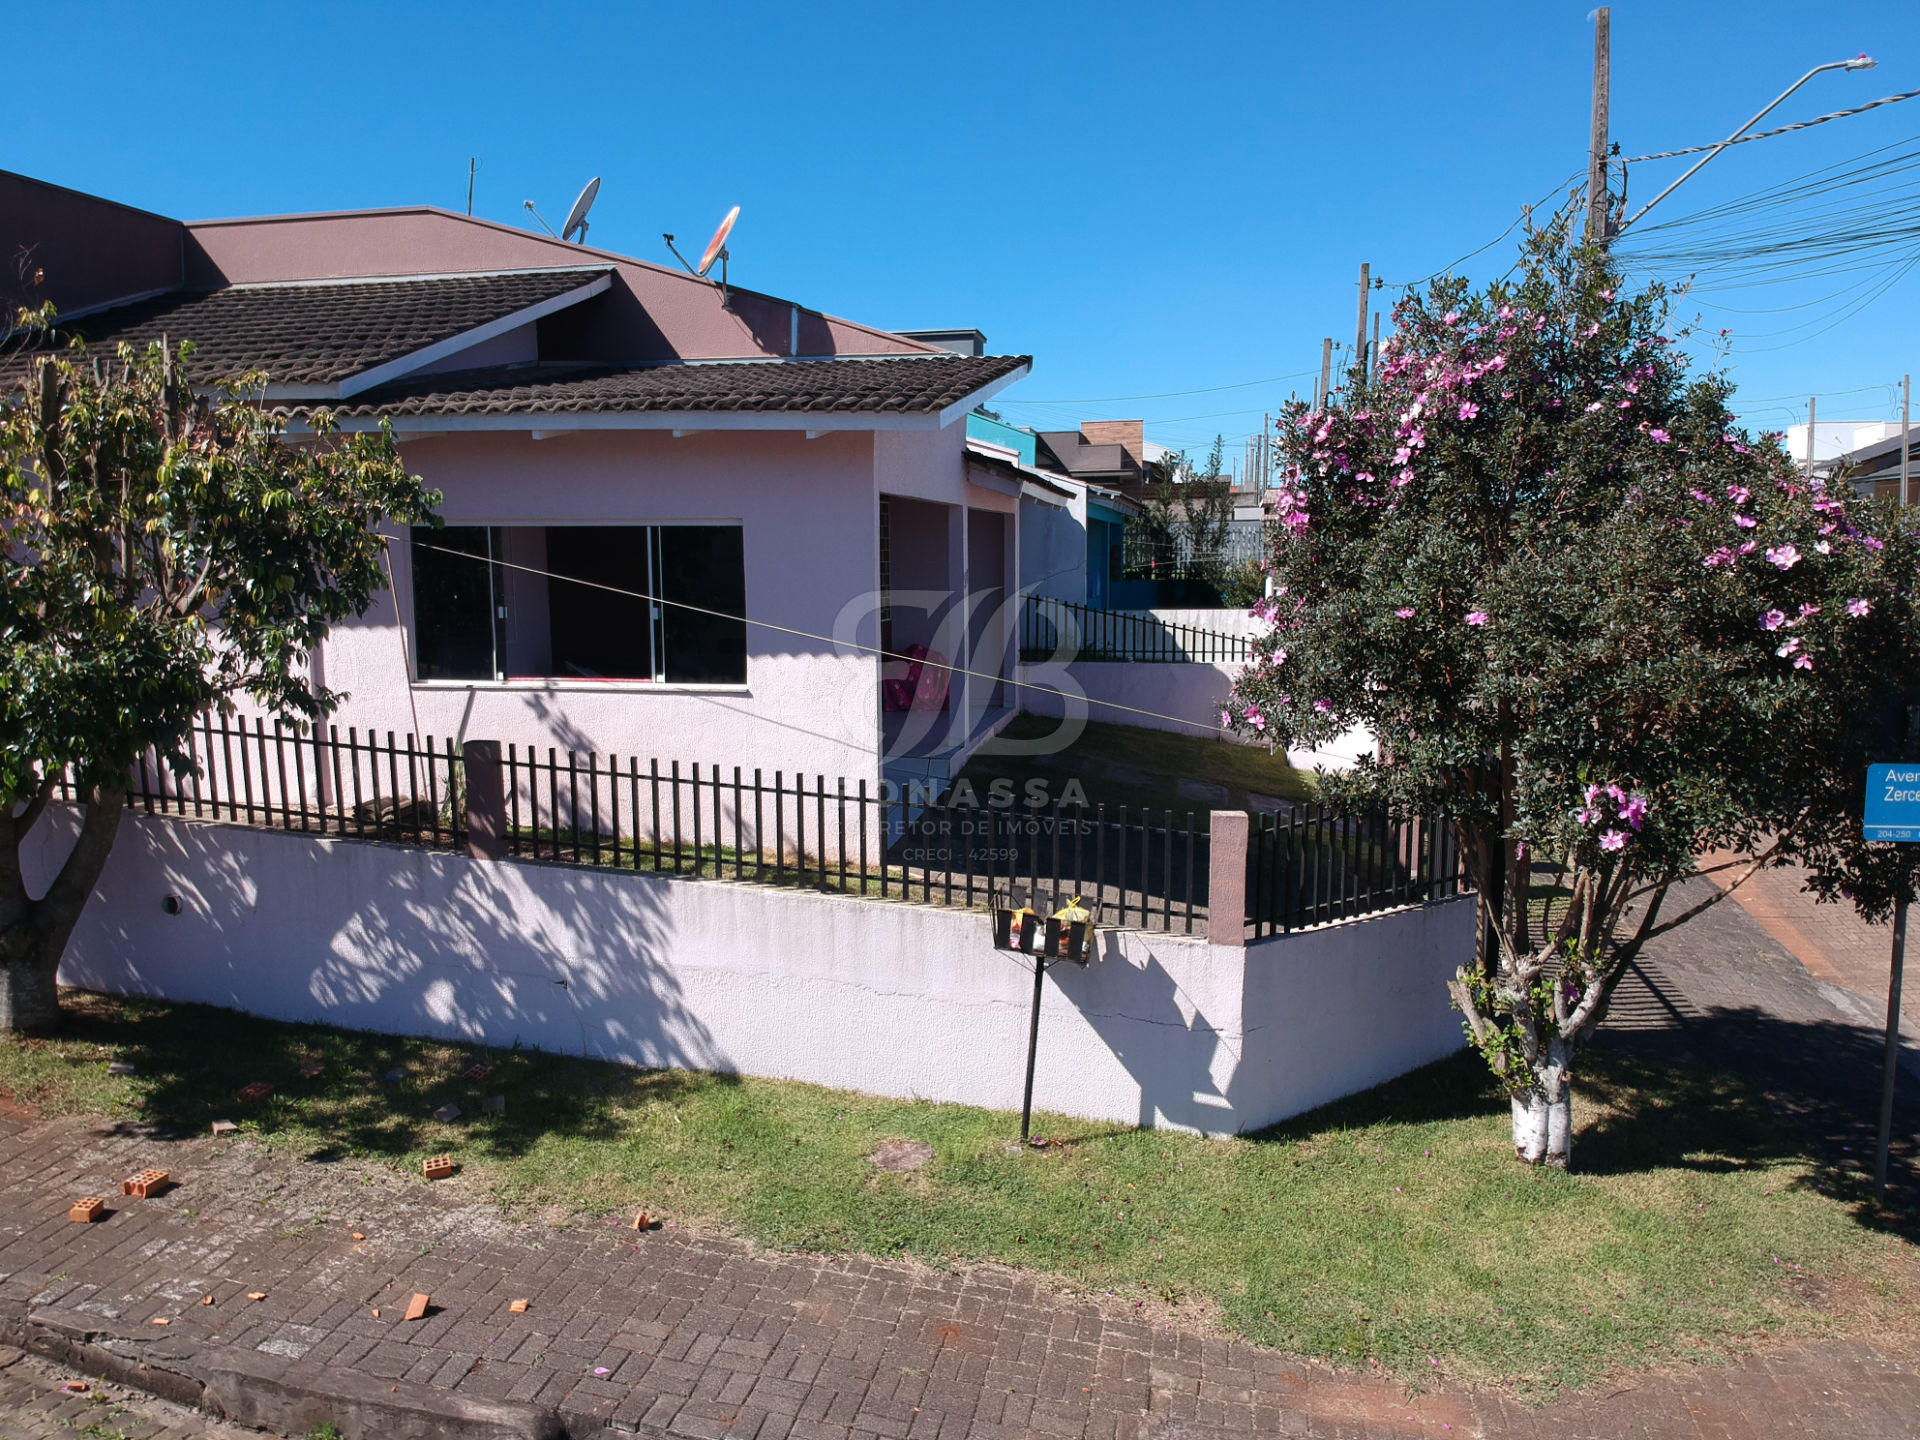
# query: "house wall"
(887, 998)
(809, 512)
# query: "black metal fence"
(1185, 550)
(1314, 866)
(318, 782)
(1138, 869)
(1131, 868)
(1061, 629)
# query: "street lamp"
(1859, 62)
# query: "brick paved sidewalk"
(704, 1338)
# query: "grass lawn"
(1163, 757)
(1384, 1228)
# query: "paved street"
(701, 1336)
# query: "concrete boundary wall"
(887, 998)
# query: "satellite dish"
(577, 217)
(717, 246)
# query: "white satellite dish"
(717, 246)
(577, 217)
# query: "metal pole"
(1326, 372)
(1597, 153)
(1906, 401)
(1360, 330)
(1890, 1065)
(1859, 63)
(1033, 1042)
(1373, 355)
(1812, 401)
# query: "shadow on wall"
(1310, 1018)
(1169, 1047)
(401, 941)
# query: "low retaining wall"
(888, 998)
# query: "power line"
(1769, 134)
(804, 634)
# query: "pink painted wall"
(652, 312)
(809, 512)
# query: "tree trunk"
(1543, 1113)
(36, 931)
(29, 1002)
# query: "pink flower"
(1476, 617)
(1405, 612)
(1469, 410)
(1773, 620)
(1606, 294)
(1788, 647)
(1323, 707)
(1738, 494)
(1226, 717)
(1365, 477)
(1722, 556)
(1595, 405)
(1588, 816)
(1803, 661)
(1857, 608)
(1634, 812)
(1519, 849)
(1785, 556)
(1405, 477)
(1745, 522)
(1805, 611)
(1450, 318)
(1659, 437)
(1614, 840)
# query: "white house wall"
(888, 998)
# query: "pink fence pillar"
(1227, 832)
(486, 799)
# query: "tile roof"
(310, 333)
(905, 384)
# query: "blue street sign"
(1893, 803)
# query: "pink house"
(680, 522)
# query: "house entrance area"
(943, 614)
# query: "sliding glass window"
(581, 602)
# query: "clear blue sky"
(1148, 198)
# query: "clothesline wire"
(806, 634)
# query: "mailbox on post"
(1067, 935)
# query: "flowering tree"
(164, 551)
(1592, 622)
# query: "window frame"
(658, 684)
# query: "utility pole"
(1906, 404)
(1597, 225)
(1812, 400)
(1326, 372)
(1360, 330)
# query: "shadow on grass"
(1772, 1092)
(193, 1061)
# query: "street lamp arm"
(1859, 63)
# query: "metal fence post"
(486, 800)
(1227, 832)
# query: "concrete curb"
(269, 1392)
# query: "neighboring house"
(604, 430)
(1872, 466)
